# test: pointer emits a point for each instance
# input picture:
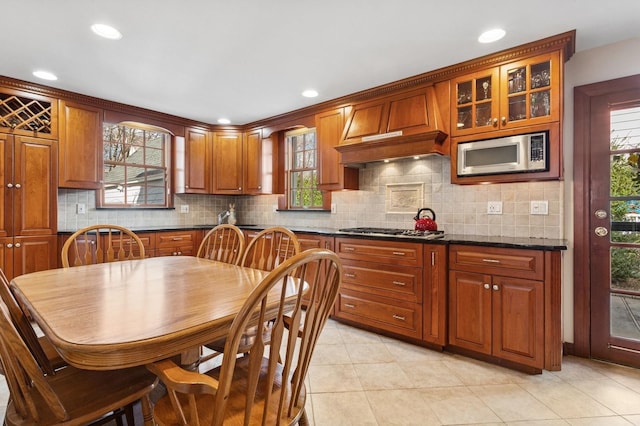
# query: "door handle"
(601, 231)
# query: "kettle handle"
(433, 214)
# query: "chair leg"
(128, 412)
(304, 420)
(147, 411)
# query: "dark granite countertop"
(478, 240)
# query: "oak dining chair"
(40, 347)
(100, 244)
(268, 249)
(224, 243)
(266, 386)
(70, 397)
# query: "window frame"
(290, 170)
(165, 167)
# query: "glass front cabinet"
(517, 94)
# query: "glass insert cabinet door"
(475, 97)
(530, 91)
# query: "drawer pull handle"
(399, 317)
(349, 275)
(349, 305)
(348, 249)
(399, 253)
(400, 283)
(491, 260)
(177, 238)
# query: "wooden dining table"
(122, 314)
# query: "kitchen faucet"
(222, 216)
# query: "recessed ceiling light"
(491, 35)
(106, 31)
(310, 93)
(224, 121)
(45, 75)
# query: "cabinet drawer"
(398, 317)
(498, 261)
(389, 252)
(173, 243)
(398, 282)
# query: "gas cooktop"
(394, 231)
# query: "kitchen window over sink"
(301, 150)
(136, 163)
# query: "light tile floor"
(361, 378)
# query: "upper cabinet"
(516, 95)
(80, 148)
(227, 162)
(399, 125)
(197, 161)
(332, 174)
(256, 163)
(28, 114)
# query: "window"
(302, 170)
(135, 166)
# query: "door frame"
(581, 211)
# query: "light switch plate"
(540, 207)
(334, 208)
(81, 208)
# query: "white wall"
(586, 67)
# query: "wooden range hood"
(402, 125)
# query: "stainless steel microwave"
(512, 154)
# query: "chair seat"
(86, 394)
(235, 408)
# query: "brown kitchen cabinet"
(504, 304)
(176, 243)
(227, 163)
(515, 95)
(331, 174)
(197, 161)
(310, 241)
(434, 300)
(80, 146)
(382, 285)
(28, 213)
(28, 114)
(257, 163)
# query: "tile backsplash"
(460, 209)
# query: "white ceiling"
(250, 59)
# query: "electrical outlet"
(184, 208)
(81, 208)
(539, 207)
(494, 207)
(334, 208)
(274, 208)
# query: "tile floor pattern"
(361, 378)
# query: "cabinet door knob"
(9, 185)
(495, 287)
(487, 286)
(18, 245)
(18, 186)
(504, 120)
(9, 245)
(495, 122)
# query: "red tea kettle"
(425, 223)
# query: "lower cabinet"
(500, 303)
(159, 243)
(22, 255)
(176, 243)
(382, 285)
